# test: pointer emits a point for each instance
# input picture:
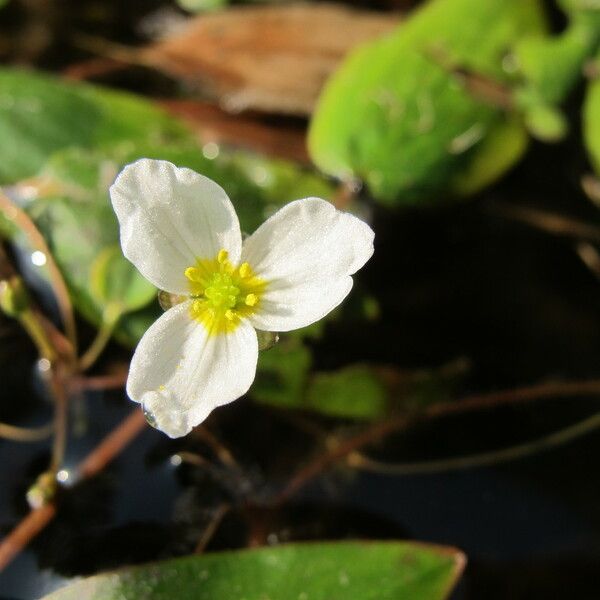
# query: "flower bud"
(168, 300)
(266, 339)
(42, 491)
(14, 298)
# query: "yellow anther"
(245, 270)
(191, 273)
(222, 294)
(251, 300)
(161, 388)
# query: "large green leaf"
(401, 114)
(326, 571)
(40, 115)
(437, 109)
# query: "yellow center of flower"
(222, 294)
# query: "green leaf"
(114, 281)
(40, 115)
(354, 392)
(282, 374)
(325, 571)
(591, 120)
(199, 6)
(75, 138)
(497, 153)
(400, 113)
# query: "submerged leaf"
(355, 392)
(330, 571)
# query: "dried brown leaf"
(268, 58)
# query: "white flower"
(181, 232)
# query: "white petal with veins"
(180, 373)
(169, 217)
(306, 252)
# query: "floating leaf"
(40, 115)
(409, 112)
(330, 571)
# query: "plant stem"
(212, 527)
(37, 241)
(549, 222)
(37, 333)
(25, 434)
(91, 355)
(104, 453)
(380, 430)
(60, 423)
(357, 460)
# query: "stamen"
(222, 294)
(245, 270)
(251, 300)
(192, 273)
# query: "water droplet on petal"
(149, 416)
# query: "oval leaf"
(410, 111)
(330, 571)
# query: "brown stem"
(60, 422)
(37, 241)
(112, 445)
(549, 222)
(541, 391)
(212, 527)
(101, 456)
(374, 433)
(223, 453)
(380, 430)
(568, 434)
(25, 434)
(24, 532)
(114, 381)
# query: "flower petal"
(169, 217)
(180, 374)
(306, 252)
